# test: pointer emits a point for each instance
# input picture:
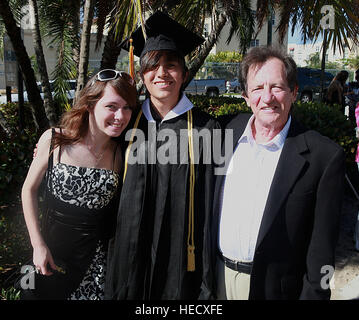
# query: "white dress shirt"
(180, 108)
(245, 192)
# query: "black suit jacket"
(299, 230)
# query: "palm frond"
(61, 19)
(103, 8)
(125, 18)
(242, 23)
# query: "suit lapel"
(290, 164)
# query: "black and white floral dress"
(81, 219)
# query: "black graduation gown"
(148, 259)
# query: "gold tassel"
(191, 265)
(131, 61)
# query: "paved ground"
(346, 276)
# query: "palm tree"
(306, 14)
(237, 13)
(60, 21)
(85, 45)
(24, 62)
(192, 14)
(41, 63)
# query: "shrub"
(15, 157)
(328, 120)
(15, 151)
(220, 106)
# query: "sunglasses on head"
(110, 74)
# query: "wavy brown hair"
(257, 56)
(75, 122)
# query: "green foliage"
(327, 120)
(352, 62)
(15, 245)
(218, 106)
(15, 152)
(330, 122)
(15, 158)
(10, 294)
(315, 62)
(225, 56)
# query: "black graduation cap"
(163, 33)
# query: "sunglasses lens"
(107, 75)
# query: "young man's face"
(164, 81)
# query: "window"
(205, 30)
(254, 43)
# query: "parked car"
(233, 86)
(209, 87)
(15, 97)
(309, 83)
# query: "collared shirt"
(245, 192)
(180, 108)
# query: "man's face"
(164, 81)
(268, 94)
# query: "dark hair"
(342, 76)
(75, 121)
(151, 59)
(259, 55)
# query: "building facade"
(301, 53)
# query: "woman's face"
(111, 113)
(164, 82)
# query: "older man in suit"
(277, 209)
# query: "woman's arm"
(41, 254)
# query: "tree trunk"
(111, 50)
(325, 45)
(206, 47)
(24, 62)
(48, 101)
(85, 45)
(76, 49)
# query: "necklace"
(98, 157)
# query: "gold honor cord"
(130, 143)
(190, 240)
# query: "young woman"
(84, 179)
(336, 89)
(165, 202)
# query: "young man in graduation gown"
(167, 194)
